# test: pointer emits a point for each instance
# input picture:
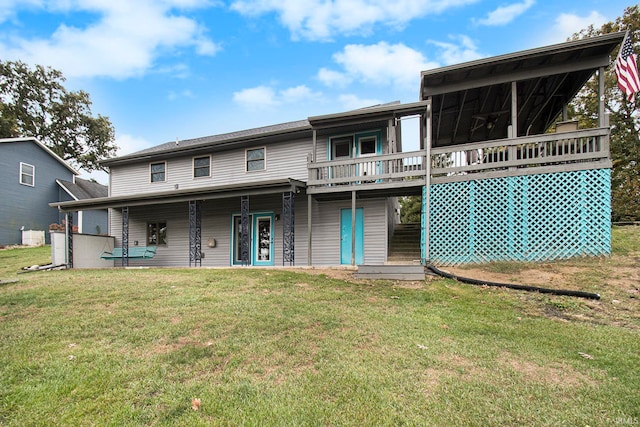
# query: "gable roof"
(210, 143)
(43, 147)
(83, 189)
(466, 97)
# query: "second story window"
(341, 147)
(201, 166)
(27, 174)
(158, 171)
(256, 159)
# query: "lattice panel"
(525, 218)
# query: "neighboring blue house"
(28, 173)
(88, 222)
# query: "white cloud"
(323, 19)
(256, 97)
(505, 14)
(463, 49)
(129, 144)
(125, 39)
(261, 97)
(173, 95)
(353, 102)
(566, 24)
(381, 64)
(333, 78)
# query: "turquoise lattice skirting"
(524, 218)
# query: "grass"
(281, 347)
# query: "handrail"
(550, 152)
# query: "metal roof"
(174, 196)
(215, 142)
(83, 189)
(472, 101)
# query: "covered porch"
(232, 213)
(485, 126)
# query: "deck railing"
(576, 150)
(387, 170)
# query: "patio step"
(391, 271)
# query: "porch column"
(195, 233)
(288, 230)
(426, 215)
(125, 236)
(514, 123)
(69, 232)
(245, 238)
(353, 228)
(309, 228)
(601, 112)
(314, 144)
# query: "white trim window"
(27, 174)
(256, 159)
(156, 233)
(158, 172)
(202, 167)
(341, 147)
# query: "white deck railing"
(582, 149)
(387, 170)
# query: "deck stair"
(391, 271)
(404, 247)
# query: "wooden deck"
(552, 152)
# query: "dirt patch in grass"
(561, 375)
(615, 279)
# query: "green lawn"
(271, 347)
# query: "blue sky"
(167, 69)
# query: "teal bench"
(135, 252)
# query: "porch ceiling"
(202, 193)
(472, 101)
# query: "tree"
(410, 209)
(34, 102)
(624, 120)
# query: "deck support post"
(288, 230)
(245, 238)
(69, 231)
(309, 230)
(195, 233)
(426, 215)
(125, 236)
(353, 227)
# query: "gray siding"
(216, 224)
(326, 231)
(284, 160)
(24, 205)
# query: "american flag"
(627, 69)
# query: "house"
(33, 176)
(496, 184)
(28, 174)
(92, 221)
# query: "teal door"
(263, 239)
(261, 249)
(345, 236)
